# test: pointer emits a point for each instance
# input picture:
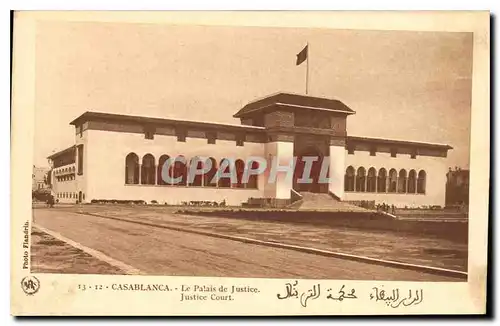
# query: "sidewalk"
(50, 255)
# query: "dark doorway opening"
(314, 186)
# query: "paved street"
(420, 249)
(159, 251)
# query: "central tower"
(299, 125)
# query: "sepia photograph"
(262, 152)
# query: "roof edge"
(90, 115)
(61, 152)
(279, 96)
(397, 141)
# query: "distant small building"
(457, 187)
(39, 178)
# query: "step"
(324, 202)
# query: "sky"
(403, 85)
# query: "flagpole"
(307, 68)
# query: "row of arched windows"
(395, 182)
(150, 173)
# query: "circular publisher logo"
(30, 285)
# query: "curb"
(327, 253)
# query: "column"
(337, 170)
(140, 173)
(155, 167)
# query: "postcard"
(249, 163)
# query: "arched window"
(393, 180)
(421, 182)
(225, 181)
(361, 179)
(412, 179)
(382, 180)
(402, 181)
(179, 170)
(253, 178)
(132, 169)
(159, 170)
(208, 178)
(148, 170)
(195, 180)
(239, 166)
(349, 179)
(371, 182)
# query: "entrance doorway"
(314, 186)
(80, 197)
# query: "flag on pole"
(302, 56)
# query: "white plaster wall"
(337, 170)
(435, 168)
(283, 154)
(81, 180)
(175, 195)
(104, 173)
(270, 151)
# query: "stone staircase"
(324, 202)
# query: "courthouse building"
(120, 157)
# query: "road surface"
(157, 251)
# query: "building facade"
(120, 157)
(39, 178)
(457, 187)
